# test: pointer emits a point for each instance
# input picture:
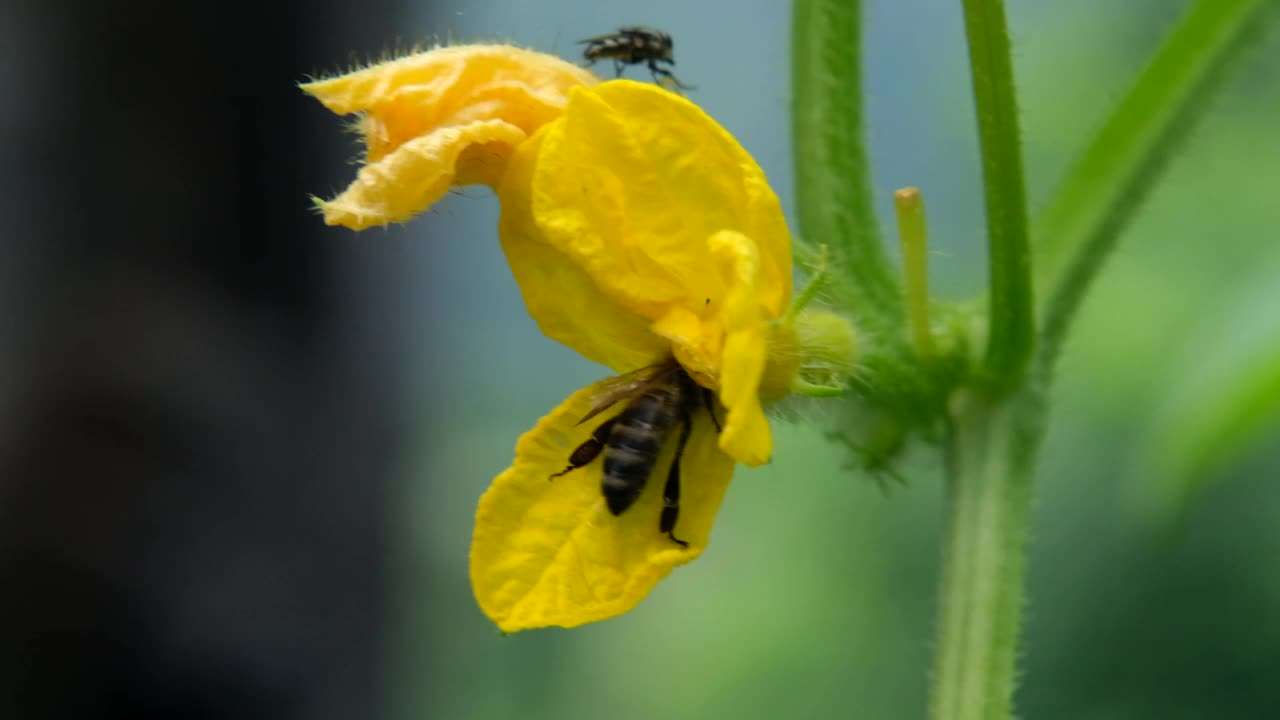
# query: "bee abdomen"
(625, 473)
(633, 447)
(639, 437)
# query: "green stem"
(833, 179)
(1107, 186)
(995, 430)
(913, 234)
(992, 444)
(817, 277)
(1012, 320)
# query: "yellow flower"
(638, 230)
(430, 120)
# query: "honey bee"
(633, 45)
(659, 398)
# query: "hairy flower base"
(548, 552)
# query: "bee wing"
(615, 389)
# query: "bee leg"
(587, 451)
(671, 493)
(709, 399)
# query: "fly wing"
(628, 385)
(623, 33)
(597, 38)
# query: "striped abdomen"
(637, 436)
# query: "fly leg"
(663, 76)
(671, 493)
(587, 451)
(618, 65)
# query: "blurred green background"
(816, 597)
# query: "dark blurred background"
(200, 401)
(240, 452)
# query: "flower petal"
(632, 181)
(746, 437)
(695, 340)
(416, 94)
(420, 171)
(560, 295)
(449, 116)
(548, 552)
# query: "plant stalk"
(1011, 338)
(913, 235)
(834, 199)
(993, 439)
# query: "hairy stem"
(833, 180)
(991, 449)
(1012, 318)
(995, 426)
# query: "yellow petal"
(548, 552)
(449, 116)
(416, 94)
(560, 295)
(695, 341)
(634, 179)
(420, 171)
(635, 205)
(746, 437)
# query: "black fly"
(633, 45)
